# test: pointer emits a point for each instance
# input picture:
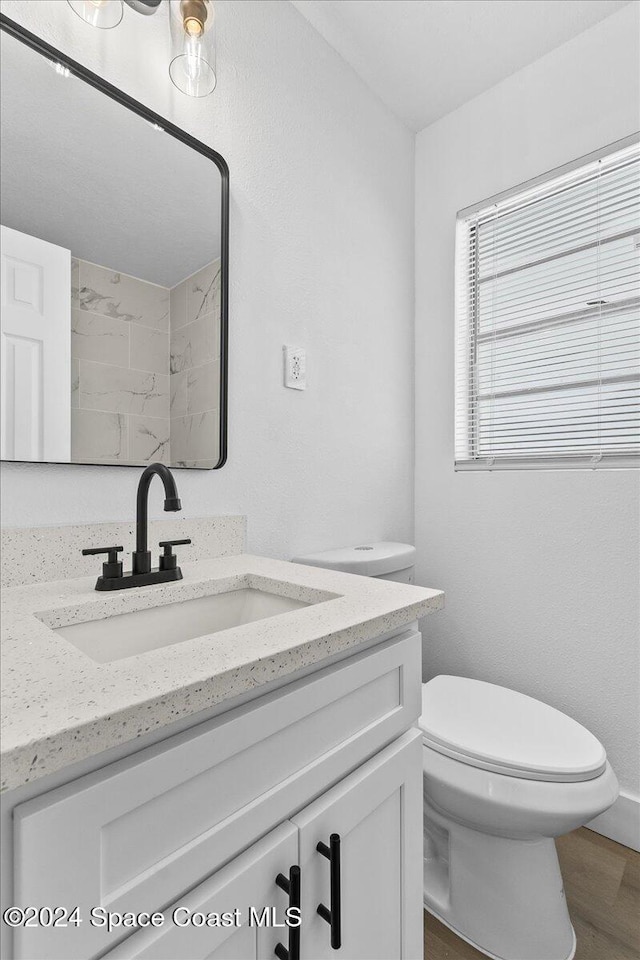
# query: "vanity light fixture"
(146, 7)
(104, 14)
(192, 38)
(192, 65)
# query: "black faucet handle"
(112, 551)
(112, 567)
(168, 560)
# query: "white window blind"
(548, 321)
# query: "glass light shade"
(104, 14)
(192, 67)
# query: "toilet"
(503, 775)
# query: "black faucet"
(141, 573)
(141, 557)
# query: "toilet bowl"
(503, 775)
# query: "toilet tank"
(386, 559)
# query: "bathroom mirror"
(114, 273)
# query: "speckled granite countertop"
(59, 706)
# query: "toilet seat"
(488, 726)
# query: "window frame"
(474, 460)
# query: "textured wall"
(540, 568)
(321, 256)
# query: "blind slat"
(549, 239)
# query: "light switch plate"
(295, 368)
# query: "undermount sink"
(128, 634)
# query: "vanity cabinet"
(376, 812)
(208, 819)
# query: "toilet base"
(492, 956)
(503, 896)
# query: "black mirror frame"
(46, 50)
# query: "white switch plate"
(295, 368)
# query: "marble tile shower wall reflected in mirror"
(145, 367)
(111, 326)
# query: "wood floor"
(602, 883)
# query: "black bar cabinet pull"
(333, 916)
(291, 887)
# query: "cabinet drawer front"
(136, 834)
(248, 881)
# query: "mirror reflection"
(111, 279)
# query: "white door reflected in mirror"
(35, 349)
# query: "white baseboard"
(621, 822)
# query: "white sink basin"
(128, 634)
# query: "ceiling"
(83, 172)
(424, 58)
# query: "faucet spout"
(141, 558)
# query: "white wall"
(540, 568)
(321, 256)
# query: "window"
(548, 321)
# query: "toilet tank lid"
(366, 559)
(492, 727)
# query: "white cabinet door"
(377, 814)
(35, 349)
(248, 881)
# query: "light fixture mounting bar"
(145, 7)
